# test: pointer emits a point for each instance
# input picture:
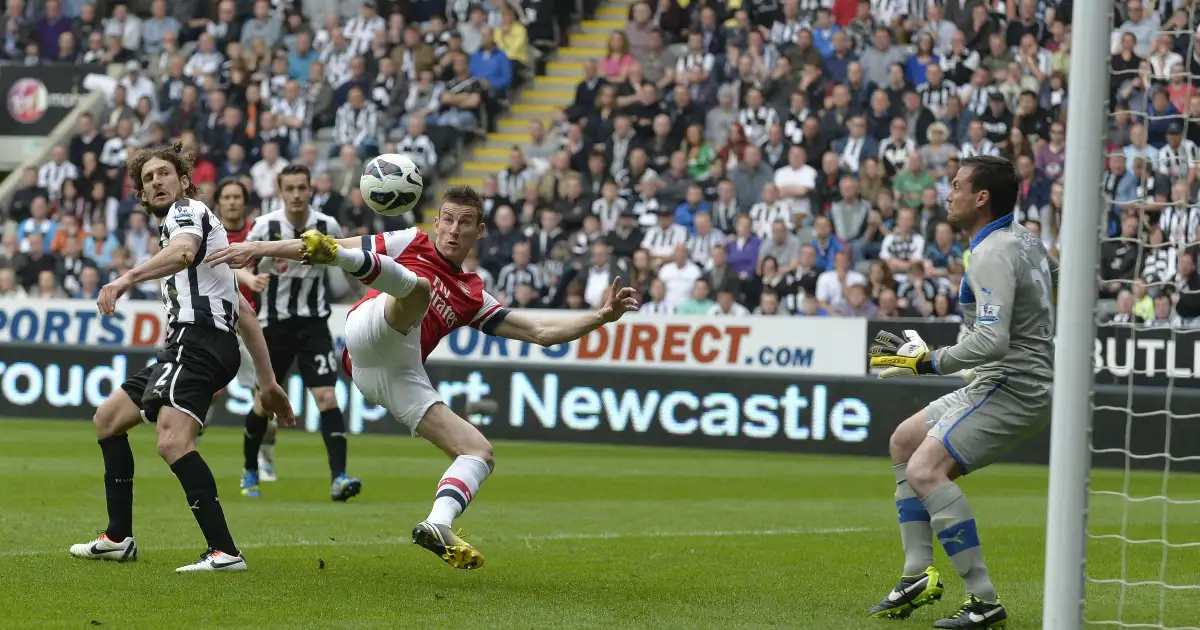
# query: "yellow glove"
(899, 357)
(317, 248)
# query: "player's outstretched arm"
(238, 255)
(993, 279)
(270, 394)
(529, 327)
(170, 260)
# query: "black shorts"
(197, 362)
(305, 341)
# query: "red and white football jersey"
(239, 236)
(458, 298)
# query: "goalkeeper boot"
(913, 592)
(975, 613)
(447, 545)
(317, 248)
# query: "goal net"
(1139, 484)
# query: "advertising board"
(836, 416)
(712, 344)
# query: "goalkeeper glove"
(899, 357)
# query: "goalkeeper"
(1007, 359)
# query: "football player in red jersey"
(232, 200)
(419, 294)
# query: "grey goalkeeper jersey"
(1007, 303)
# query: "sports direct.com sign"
(834, 347)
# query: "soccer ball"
(391, 184)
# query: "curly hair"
(173, 154)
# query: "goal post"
(1070, 428)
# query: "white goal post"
(1070, 429)
(1134, 578)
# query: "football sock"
(379, 272)
(201, 491)
(256, 429)
(333, 431)
(916, 533)
(118, 486)
(954, 523)
(457, 487)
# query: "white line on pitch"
(527, 539)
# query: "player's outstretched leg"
(472, 455)
(176, 445)
(113, 418)
(252, 438)
(266, 454)
(929, 473)
(920, 583)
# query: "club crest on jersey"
(463, 285)
(183, 212)
(987, 314)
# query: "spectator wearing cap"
(626, 238)
(1179, 157)
(662, 239)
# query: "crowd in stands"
(776, 157)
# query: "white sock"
(379, 272)
(457, 487)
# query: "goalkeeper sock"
(458, 486)
(916, 533)
(379, 272)
(951, 517)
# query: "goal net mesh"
(1143, 533)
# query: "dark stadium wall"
(835, 416)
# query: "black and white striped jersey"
(986, 147)
(294, 289)
(700, 247)
(685, 64)
(1174, 162)
(764, 215)
(356, 126)
(609, 212)
(51, 176)
(935, 97)
(283, 108)
(755, 122)
(784, 34)
(975, 98)
(511, 276)
(359, 33)
(200, 294)
(420, 150)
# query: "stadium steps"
(539, 100)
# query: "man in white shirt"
(266, 172)
(137, 85)
(832, 284)
(679, 274)
(796, 180)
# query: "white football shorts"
(386, 365)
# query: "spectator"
(833, 283)
(657, 304)
(727, 306)
(678, 274)
(9, 289)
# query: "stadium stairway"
(539, 99)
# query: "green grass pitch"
(575, 537)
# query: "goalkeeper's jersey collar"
(998, 224)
